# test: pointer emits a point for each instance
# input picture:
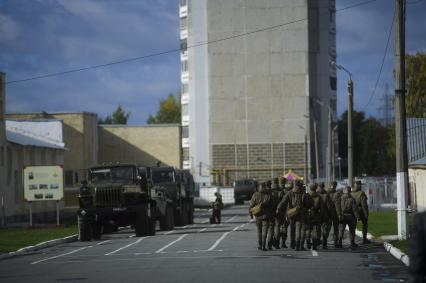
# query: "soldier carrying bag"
(295, 210)
(256, 210)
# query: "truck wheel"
(141, 223)
(97, 231)
(84, 229)
(167, 221)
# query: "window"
(183, 44)
(185, 110)
(184, 23)
(69, 178)
(184, 66)
(184, 88)
(185, 154)
(185, 132)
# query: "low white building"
(417, 178)
(27, 143)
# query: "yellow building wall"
(144, 145)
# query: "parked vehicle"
(244, 189)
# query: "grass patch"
(381, 223)
(12, 239)
(403, 245)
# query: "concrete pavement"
(201, 252)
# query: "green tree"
(119, 116)
(168, 112)
(415, 74)
(373, 145)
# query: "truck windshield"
(112, 174)
(162, 176)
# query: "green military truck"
(129, 195)
(244, 189)
(178, 187)
(115, 196)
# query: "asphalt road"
(200, 253)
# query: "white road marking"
(230, 219)
(205, 221)
(169, 232)
(218, 241)
(213, 225)
(142, 253)
(314, 253)
(132, 236)
(238, 227)
(126, 246)
(61, 255)
(170, 244)
(101, 243)
(202, 230)
(181, 252)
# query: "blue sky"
(45, 36)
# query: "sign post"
(43, 183)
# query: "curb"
(395, 252)
(40, 246)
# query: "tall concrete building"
(255, 75)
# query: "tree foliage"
(373, 145)
(415, 74)
(168, 112)
(119, 116)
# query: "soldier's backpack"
(296, 203)
(347, 206)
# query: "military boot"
(308, 244)
(277, 244)
(353, 245)
(366, 241)
(339, 244)
(324, 243)
(283, 245)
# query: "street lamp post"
(350, 127)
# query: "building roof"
(421, 163)
(46, 133)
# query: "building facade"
(256, 77)
(145, 145)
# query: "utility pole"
(350, 133)
(400, 121)
(330, 148)
(316, 150)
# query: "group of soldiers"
(310, 213)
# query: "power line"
(174, 50)
(383, 63)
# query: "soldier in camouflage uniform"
(361, 201)
(296, 200)
(262, 197)
(313, 223)
(348, 216)
(286, 187)
(334, 212)
(279, 218)
(325, 214)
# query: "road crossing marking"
(219, 240)
(230, 219)
(314, 253)
(202, 230)
(169, 232)
(170, 244)
(61, 255)
(126, 246)
(101, 243)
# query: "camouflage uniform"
(348, 216)
(325, 214)
(296, 198)
(278, 218)
(313, 223)
(263, 198)
(361, 201)
(285, 223)
(217, 206)
(334, 213)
